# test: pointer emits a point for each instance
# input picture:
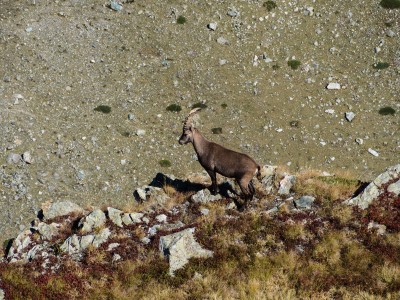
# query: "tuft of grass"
(224, 105)
(216, 130)
(387, 110)
(270, 5)
(390, 4)
(381, 65)
(181, 20)
(275, 67)
(294, 64)
(165, 163)
(199, 105)
(174, 108)
(105, 109)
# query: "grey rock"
(304, 202)
(47, 231)
(115, 5)
(62, 208)
(20, 243)
(2, 295)
(126, 219)
(27, 158)
(233, 12)
(136, 217)
(394, 187)
(380, 228)
(101, 237)
(204, 211)
(116, 257)
(333, 86)
(286, 184)
(267, 174)
(349, 116)
(92, 221)
(373, 190)
(212, 26)
(223, 41)
(161, 218)
(112, 246)
(204, 196)
(373, 152)
(144, 193)
(13, 158)
(131, 117)
(115, 216)
(180, 247)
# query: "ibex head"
(187, 134)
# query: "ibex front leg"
(214, 187)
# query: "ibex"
(215, 159)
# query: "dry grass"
(326, 253)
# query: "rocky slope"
(84, 90)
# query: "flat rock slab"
(59, 209)
(180, 247)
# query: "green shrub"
(270, 5)
(387, 110)
(174, 107)
(224, 105)
(294, 64)
(165, 163)
(105, 109)
(181, 20)
(199, 105)
(380, 65)
(217, 130)
(390, 4)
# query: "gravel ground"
(59, 60)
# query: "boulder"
(375, 188)
(92, 221)
(267, 175)
(115, 216)
(304, 202)
(286, 184)
(179, 247)
(204, 196)
(59, 209)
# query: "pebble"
(212, 26)
(373, 152)
(333, 86)
(233, 12)
(27, 158)
(223, 41)
(115, 5)
(131, 117)
(330, 111)
(390, 33)
(161, 218)
(359, 141)
(140, 132)
(13, 158)
(349, 116)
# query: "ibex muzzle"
(217, 159)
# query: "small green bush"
(181, 20)
(199, 105)
(390, 4)
(294, 64)
(105, 109)
(275, 67)
(270, 5)
(165, 163)
(217, 130)
(387, 110)
(381, 65)
(174, 107)
(224, 105)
